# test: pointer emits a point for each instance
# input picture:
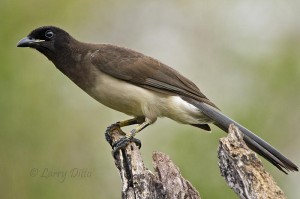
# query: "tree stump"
(138, 182)
(242, 170)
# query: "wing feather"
(144, 71)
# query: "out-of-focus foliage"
(243, 55)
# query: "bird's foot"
(108, 131)
(123, 142)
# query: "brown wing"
(144, 71)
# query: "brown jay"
(139, 86)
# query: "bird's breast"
(137, 101)
(121, 95)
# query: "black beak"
(27, 42)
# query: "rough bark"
(138, 182)
(243, 171)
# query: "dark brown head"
(47, 40)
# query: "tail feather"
(253, 141)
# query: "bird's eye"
(49, 34)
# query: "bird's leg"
(129, 137)
(136, 120)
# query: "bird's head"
(46, 39)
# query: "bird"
(140, 86)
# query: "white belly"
(137, 101)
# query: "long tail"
(253, 141)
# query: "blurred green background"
(244, 55)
